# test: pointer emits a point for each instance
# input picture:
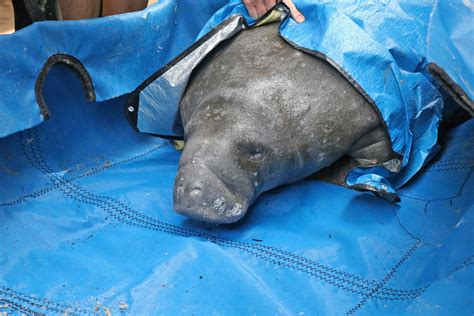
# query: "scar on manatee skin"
(235, 211)
(219, 205)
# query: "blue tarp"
(118, 53)
(86, 215)
(86, 222)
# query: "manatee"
(258, 113)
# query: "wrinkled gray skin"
(257, 114)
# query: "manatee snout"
(201, 195)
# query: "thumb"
(295, 13)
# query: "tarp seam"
(121, 212)
(35, 302)
(387, 278)
(94, 171)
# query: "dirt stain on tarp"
(8, 171)
(123, 306)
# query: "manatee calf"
(257, 114)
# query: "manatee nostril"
(196, 193)
(180, 190)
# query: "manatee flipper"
(373, 148)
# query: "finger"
(295, 14)
(270, 4)
(251, 8)
(260, 7)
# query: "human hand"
(257, 8)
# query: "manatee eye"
(253, 151)
(256, 151)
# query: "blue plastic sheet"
(87, 225)
(86, 218)
(116, 52)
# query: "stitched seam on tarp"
(10, 305)
(454, 159)
(453, 164)
(121, 212)
(17, 298)
(37, 194)
(115, 209)
(141, 218)
(384, 281)
(454, 168)
(468, 262)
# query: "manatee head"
(257, 114)
(235, 150)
